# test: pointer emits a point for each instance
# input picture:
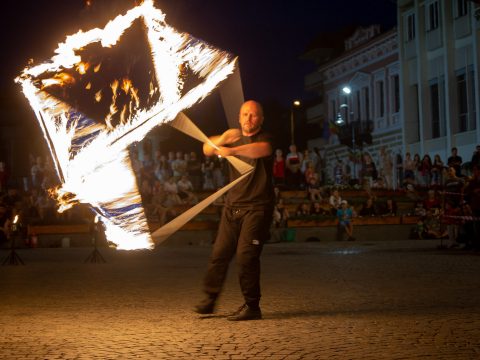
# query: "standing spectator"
(37, 171)
(279, 168)
(3, 177)
(207, 170)
(399, 169)
(437, 170)
(453, 188)
(307, 158)
(344, 215)
(195, 171)
(179, 166)
(387, 167)
(417, 162)
(409, 169)
(455, 161)
(475, 158)
(319, 165)
(162, 169)
(369, 171)
(472, 195)
(293, 174)
(426, 170)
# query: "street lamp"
(295, 103)
(347, 90)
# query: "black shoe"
(246, 312)
(351, 238)
(206, 306)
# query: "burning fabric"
(105, 89)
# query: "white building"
(369, 66)
(439, 67)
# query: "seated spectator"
(368, 208)
(419, 209)
(185, 190)
(335, 201)
(303, 210)
(46, 208)
(314, 189)
(5, 223)
(171, 191)
(318, 210)
(432, 201)
(345, 215)
(158, 208)
(146, 191)
(280, 214)
(389, 208)
(277, 193)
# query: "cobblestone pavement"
(323, 300)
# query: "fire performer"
(247, 215)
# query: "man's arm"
(253, 151)
(228, 137)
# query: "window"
(466, 101)
(380, 99)
(462, 103)
(366, 96)
(433, 16)
(396, 93)
(461, 8)
(437, 107)
(410, 27)
(435, 110)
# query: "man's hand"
(224, 151)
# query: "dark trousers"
(241, 233)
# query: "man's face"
(454, 152)
(250, 118)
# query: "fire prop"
(88, 126)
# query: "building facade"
(367, 120)
(439, 72)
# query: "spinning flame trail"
(91, 157)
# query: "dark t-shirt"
(255, 192)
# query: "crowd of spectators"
(167, 181)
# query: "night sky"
(268, 35)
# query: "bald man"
(247, 214)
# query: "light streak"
(90, 158)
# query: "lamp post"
(347, 90)
(295, 103)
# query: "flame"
(15, 220)
(91, 159)
(82, 68)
